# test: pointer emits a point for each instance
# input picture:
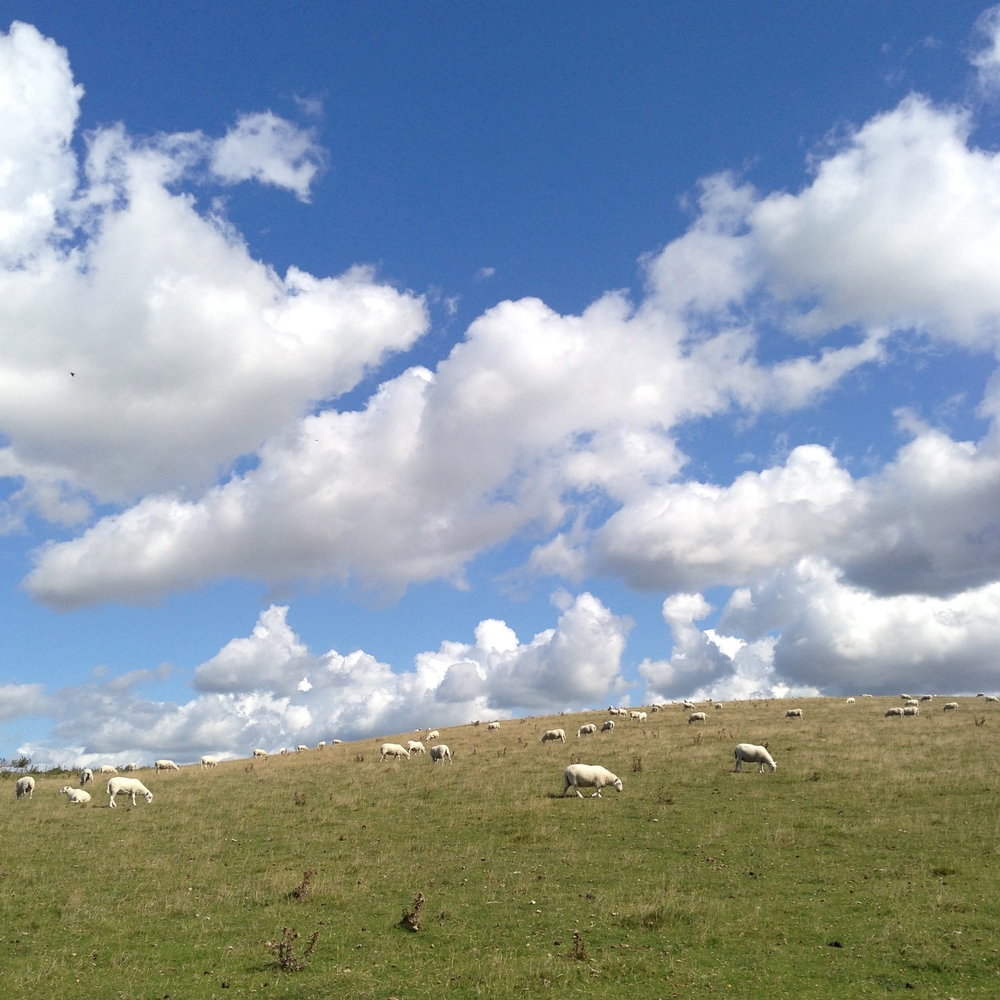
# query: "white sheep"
(131, 767)
(441, 752)
(992, 697)
(25, 786)
(753, 754)
(718, 705)
(906, 697)
(642, 716)
(301, 748)
(688, 705)
(578, 776)
(551, 735)
(697, 717)
(164, 765)
(911, 710)
(107, 769)
(207, 761)
(608, 727)
(76, 795)
(951, 706)
(927, 697)
(321, 745)
(910, 703)
(895, 712)
(493, 727)
(86, 775)
(850, 701)
(588, 730)
(338, 743)
(392, 750)
(868, 696)
(793, 713)
(415, 746)
(130, 786)
(260, 753)
(433, 735)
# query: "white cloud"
(268, 689)
(185, 352)
(271, 150)
(987, 58)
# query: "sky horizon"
(380, 367)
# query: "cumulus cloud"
(986, 58)
(142, 348)
(267, 689)
(271, 150)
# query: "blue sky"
(671, 348)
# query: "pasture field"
(867, 865)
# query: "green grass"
(878, 834)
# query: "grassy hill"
(867, 862)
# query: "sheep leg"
(112, 805)
(597, 794)
(739, 764)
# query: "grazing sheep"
(635, 716)
(911, 710)
(654, 708)
(588, 730)
(260, 753)
(850, 701)
(130, 786)
(76, 795)
(554, 734)
(282, 752)
(912, 703)
(980, 695)
(793, 713)
(642, 717)
(392, 750)
(927, 697)
(894, 713)
(107, 769)
(906, 697)
(415, 746)
(86, 775)
(433, 735)
(687, 704)
(164, 765)
(697, 717)
(578, 776)
(321, 745)
(338, 743)
(992, 697)
(301, 748)
(868, 696)
(951, 706)
(493, 727)
(441, 752)
(25, 786)
(608, 727)
(718, 705)
(131, 767)
(209, 761)
(753, 754)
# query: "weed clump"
(579, 951)
(636, 765)
(303, 888)
(411, 918)
(300, 798)
(284, 951)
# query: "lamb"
(392, 750)
(587, 730)
(911, 710)
(850, 701)
(415, 746)
(555, 734)
(897, 712)
(793, 713)
(260, 753)
(578, 776)
(441, 752)
(164, 765)
(493, 727)
(951, 706)
(86, 775)
(76, 795)
(25, 786)
(433, 735)
(130, 786)
(608, 727)
(753, 754)
(107, 769)
(697, 717)
(209, 761)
